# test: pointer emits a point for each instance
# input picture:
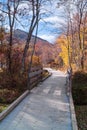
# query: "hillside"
(45, 50)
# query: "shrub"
(79, 88)
(8, 96)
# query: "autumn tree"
(81, 7)
(75, 30)
(64, 54)
(35, 10)
(9, 8)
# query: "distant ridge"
(22, 35)
(45, 50)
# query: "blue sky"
(49, 26)
(50, 29)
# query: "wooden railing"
(35, 75)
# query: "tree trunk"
(30, 63)
(10, 53)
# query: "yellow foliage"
(1, 70)
(64, 54)
(1, 36)
(64, 48)
(36, 60)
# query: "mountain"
(22, 35)
(45, 50)
(19, 34)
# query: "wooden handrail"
(35, 75)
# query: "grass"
(7, 96)
(3, 107)
(79, 91)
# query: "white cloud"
(54, 19)
(23, 5)
(50, 38)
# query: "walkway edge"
(73, 115)
(13, 105)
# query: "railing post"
(69, 79)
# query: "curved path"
(45, 108)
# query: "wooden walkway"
(47, 107)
